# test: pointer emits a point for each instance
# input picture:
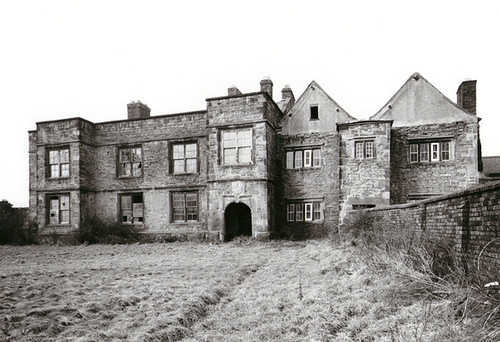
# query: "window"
(58, 209)
(308, 209)
(445, 150)
(307, 158)
(414, 152)
(237, 147)
(362, 206)
(364, 149)
(433, 151)
(289, 159)
(314, 113)
(296, 159)
(290, 212)
(316, 211)
(184, 206)
(185, 158)
(130, 162)
(59, 163)
(132, 209)
(298, 212)
(424, 152)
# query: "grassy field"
(238, 291)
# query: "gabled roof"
(418, 102)
(331, 112)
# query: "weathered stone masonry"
(247, 165)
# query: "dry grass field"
(238, 291)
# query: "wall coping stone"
(469, 191)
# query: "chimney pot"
(138, 110)
(466, 96)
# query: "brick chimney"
(286, 93)
(466, 96)
(266, 85)
(138, 110)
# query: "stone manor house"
(252, 165)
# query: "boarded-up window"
(59, 209)
(132, 209)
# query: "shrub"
(94, 231)
(12, 229)
(429, 270)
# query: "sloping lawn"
(278, 291)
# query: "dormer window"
(314, 112)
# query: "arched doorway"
(238, 221)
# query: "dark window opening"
(362, 206)
(314, 113)
(132, 209)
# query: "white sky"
(61, 59)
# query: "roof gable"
(418, 102)
(298, 119)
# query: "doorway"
(238, 221)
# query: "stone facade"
(247, 165)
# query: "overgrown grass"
(430, 272)
(238, 291)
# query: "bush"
(429, 270)
(95, 231)
(12, 229)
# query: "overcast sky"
(61, 59)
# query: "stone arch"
(237, 221)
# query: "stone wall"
(468, 220)
(364, 181)
(318, 184)
(431, 178)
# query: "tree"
(11, 223)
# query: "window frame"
(59, 164)
(185, 212)
(134, 209)
(58, 213)
(314, 112)
(361, 151)
(130, 163)
(238, 147)
(430, 151)
(184, 159)
(304, 211)
(303, 158)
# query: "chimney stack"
(266, 85)
(466, 96)
(233, 91)
(286, 93)
(138, 110)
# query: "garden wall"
(467, 220)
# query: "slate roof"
(491, 165)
